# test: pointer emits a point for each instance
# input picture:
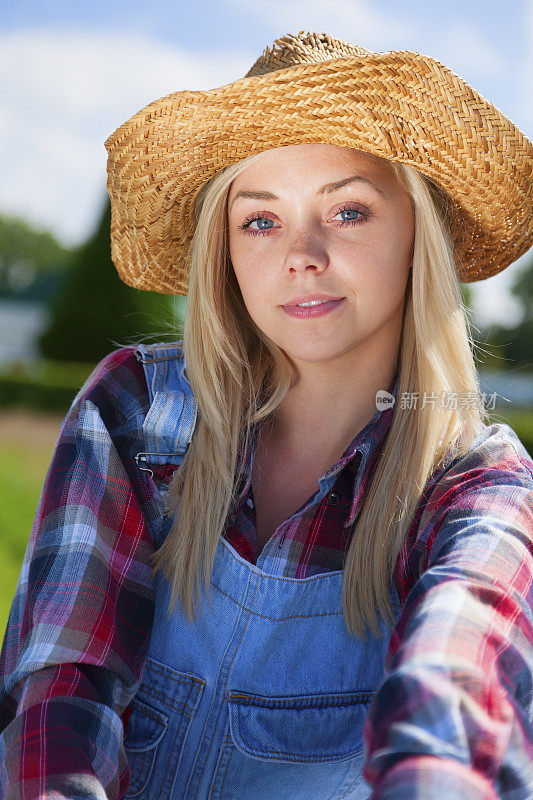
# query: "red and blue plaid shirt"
(453, 715)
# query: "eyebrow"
(326, 189)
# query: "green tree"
(95, 311)
(522, 289)
(511, 347)
(28, 255)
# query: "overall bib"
(265, 694)
(263, 697)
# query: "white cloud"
(63, 93)
(471, 53)
(525, 75)
(356, 21)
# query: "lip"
(307, 298)
(307, 312)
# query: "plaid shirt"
(453, 715)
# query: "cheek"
(249, 284)
(253, 273)
(378, 273)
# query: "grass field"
(26, 444)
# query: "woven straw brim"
(398, 105)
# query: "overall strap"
(170, 421)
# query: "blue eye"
(264, 225)
(357, 215)
(349, 211)
(261, 223)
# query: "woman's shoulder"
(126, 379)
(142, 395)
(493, 475)
(496, 454)
(486, 489)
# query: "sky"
(71, 72)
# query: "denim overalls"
(265, 694)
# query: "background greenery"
(22, 472)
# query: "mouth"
(312, 306)
(310, 301)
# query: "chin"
(314, 355)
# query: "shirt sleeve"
(453, 717)
(79, 625)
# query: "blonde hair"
(239, 377)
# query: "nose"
(306, 251)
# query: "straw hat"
(313, 88)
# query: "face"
(320, 240)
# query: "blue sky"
(71, 72)
(225, 23)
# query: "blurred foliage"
(503, 347)
(42, 385)
(96, 312)
(23, 466)
(466, 294)
(28, 256)
(522, 289)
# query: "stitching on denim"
(177, 677)
(193, 418)
(274, 619)
(151, 377)
(160, 718)
(135, 787)
(183, 418)
(161, 375)
(222, 704)
(287, 579)
(231, 752)
(283, 619)
(289, 703)
(294, 758)
(265, 751)
(158, 694)
(178, 731)
(148, 754)
(216, 682)
(164, 698)
(353, 784)
(161, 349)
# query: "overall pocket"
(292, 747)
(161, 713)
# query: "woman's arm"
(453, 718)
(80, 622)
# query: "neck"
(328, 403)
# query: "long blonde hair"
(239, 377)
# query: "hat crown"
(303, 48)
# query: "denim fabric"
(170, 421)
(263, 696)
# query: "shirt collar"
(362, 452)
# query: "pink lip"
(295, 310)
(308, 297)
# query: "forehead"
(318, 162)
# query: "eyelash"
(245, 227)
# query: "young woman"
(287, 558)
